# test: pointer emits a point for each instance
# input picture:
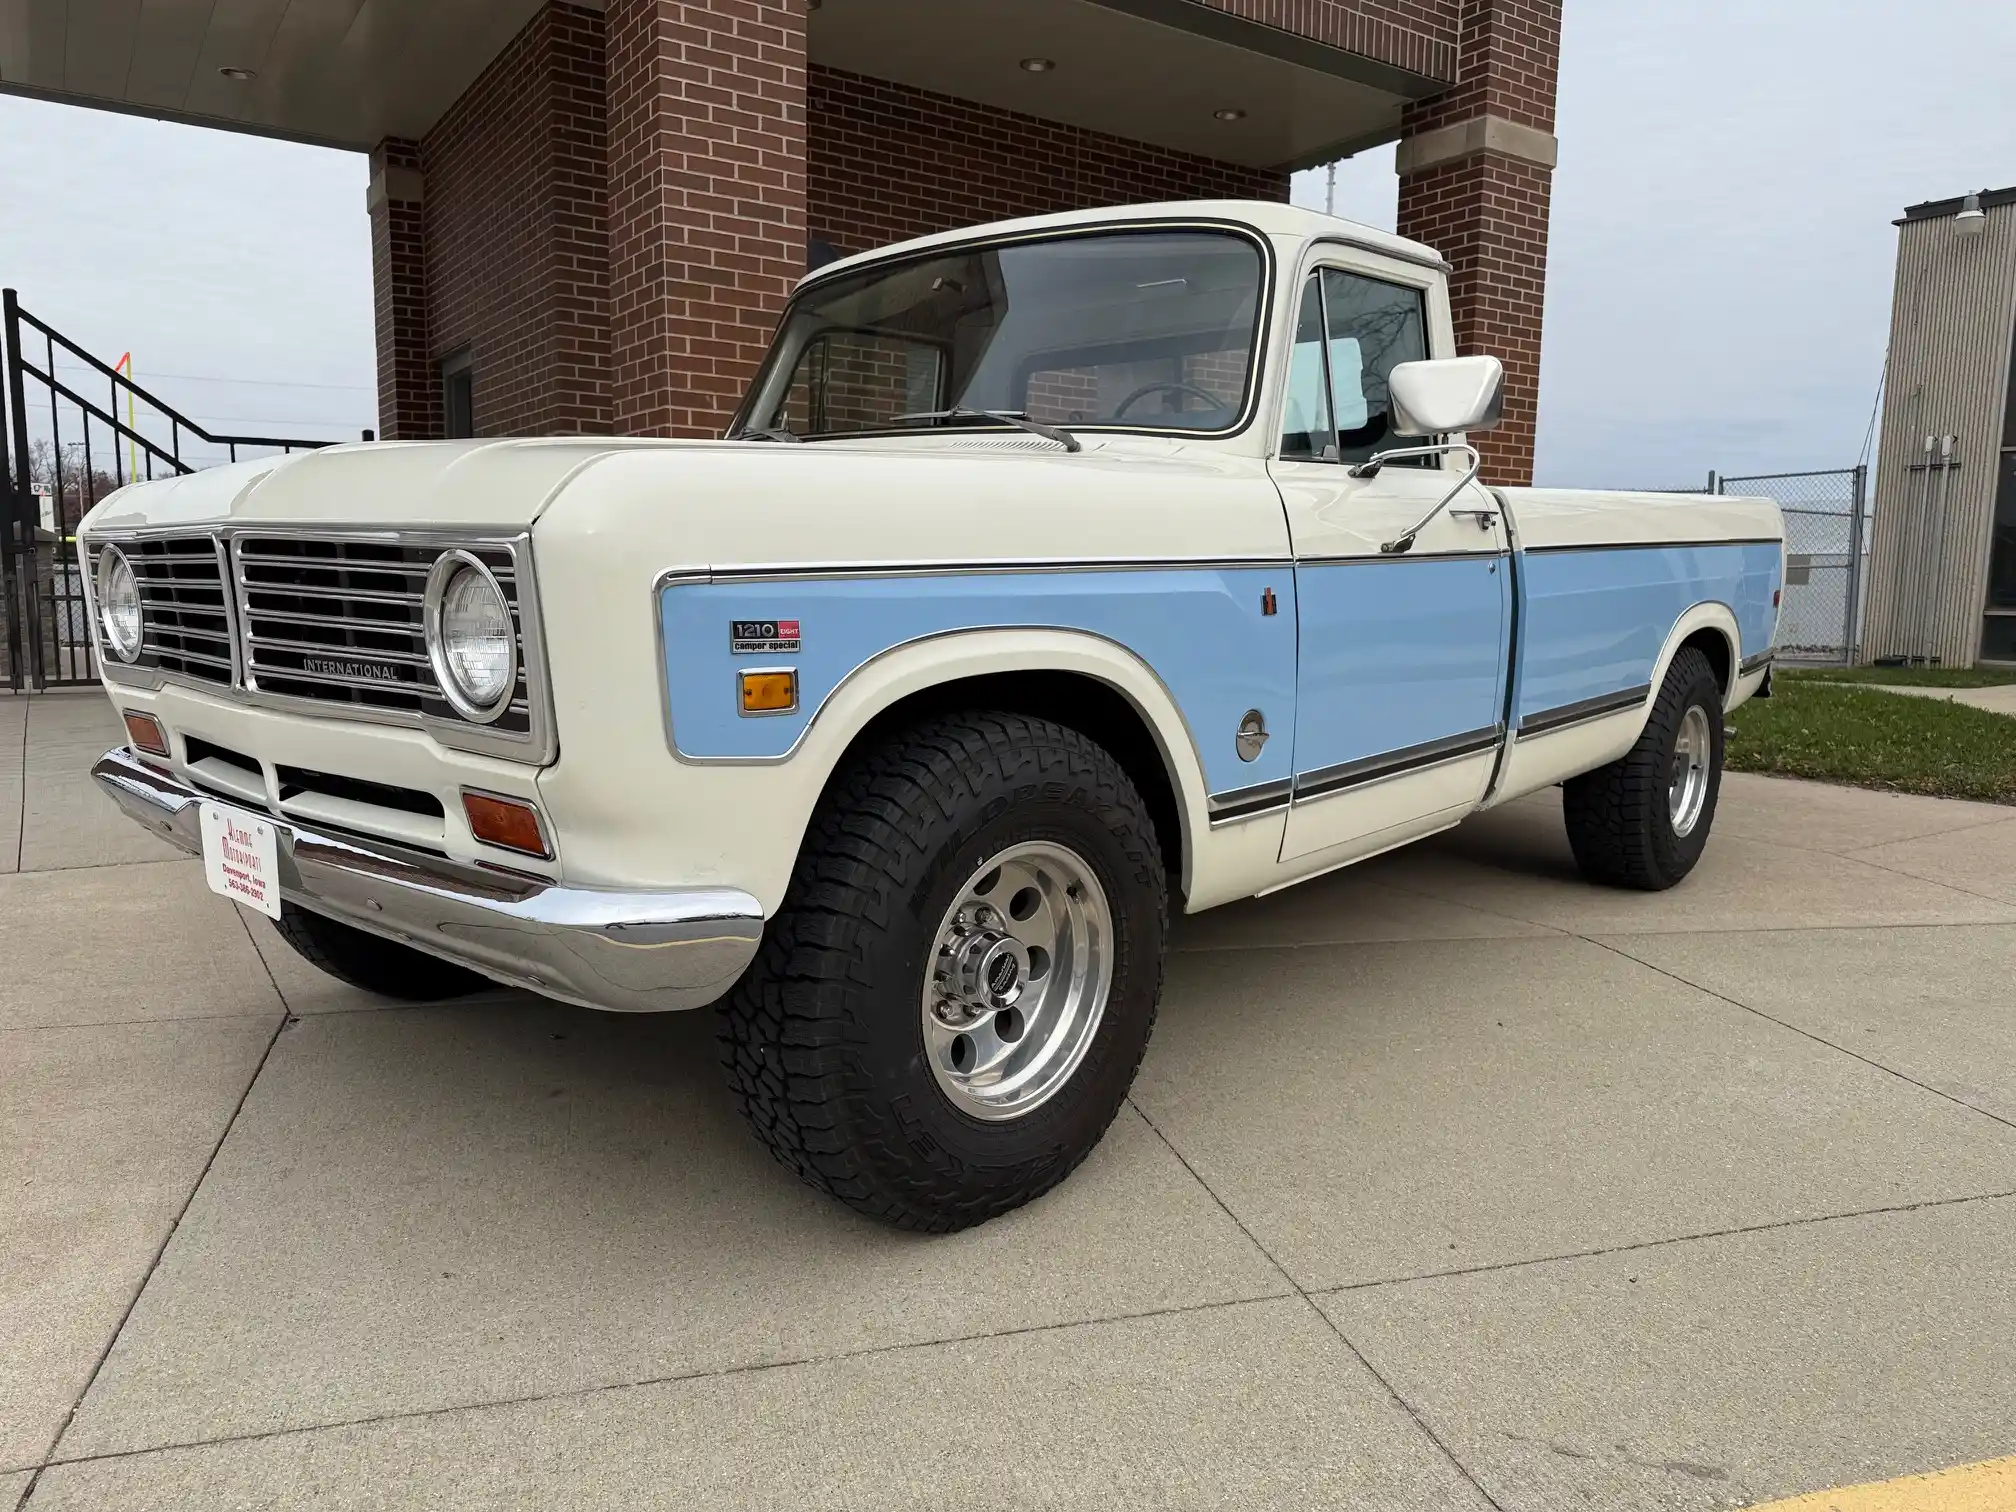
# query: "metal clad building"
(1942, 565)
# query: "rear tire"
(372, 962)
(1643, 820)
(843, 1044)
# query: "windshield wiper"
(767, 433)
(1015, 418)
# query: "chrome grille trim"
(185, 614)
(351, 599)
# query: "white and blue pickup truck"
(1054, 575)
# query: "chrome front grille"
(340, 621)
(186, 624)
(327, 622)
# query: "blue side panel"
(1593, 622)
(1200, 629)
(1398, 653)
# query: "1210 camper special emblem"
(762, 637)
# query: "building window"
(2002, 542)
(458, 394)
(1998, 624)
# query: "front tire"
(1643, 820)
(369, 961)
(950, 1008)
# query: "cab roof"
(1267, 217)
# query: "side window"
(1374, 326)
(1306, 431)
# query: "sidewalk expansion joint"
(642, 1383)
(1818, 1039)
(98, 1365)
(1414, 1413)
(1775, 1224)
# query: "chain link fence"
(1826, 556)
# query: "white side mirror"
(1446, 394)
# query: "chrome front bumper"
(629, 951)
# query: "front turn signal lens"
(768, 692)
(145, 731)
(506, 822)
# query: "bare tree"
(63, 476)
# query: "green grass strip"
(1904, 677)
(1879, 740)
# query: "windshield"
(1151, 330)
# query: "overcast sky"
(1718, 288)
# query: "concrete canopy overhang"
(349, 73)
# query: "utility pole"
(1330, 192)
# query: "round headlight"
(470, 639)
(119, 604)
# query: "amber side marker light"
(506, 822)
(768, 692)
(145, 731)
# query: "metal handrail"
(178, 421)
(32, 592)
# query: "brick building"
(586, 214)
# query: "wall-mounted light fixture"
(1970, 220)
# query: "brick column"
(409, 395)
(706, 202)
(1476, 173)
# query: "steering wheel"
(1120, 409)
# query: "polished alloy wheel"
(1693, 751)
(1018, 980)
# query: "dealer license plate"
(241, 858)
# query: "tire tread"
(1614, 813)
(792, 1032)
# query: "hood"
(402, 484)
(460, 485)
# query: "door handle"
(1485, 518)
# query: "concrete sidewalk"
(1449, 1182)
(2000, 699)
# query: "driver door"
(1400, 690)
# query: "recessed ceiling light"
(1038, 65)
(1230, 114)
(237, 73)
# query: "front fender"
(955, 656)
(668, 818)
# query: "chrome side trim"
(1757, 663)
(1515, 644)
(1403, 558)
(601, 948)
(1563, 715)
(1250, 802)
(857, 570)
(1324, 781)
(1562, 550)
